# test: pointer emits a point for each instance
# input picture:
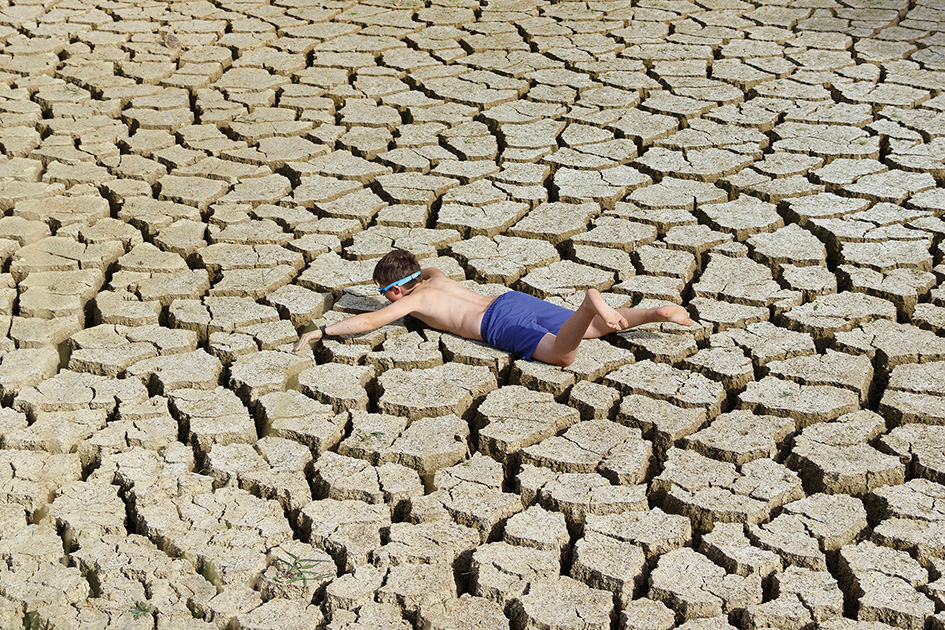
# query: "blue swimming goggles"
(400, 282)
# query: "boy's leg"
(595, 318)
(561, 348)
(637, 316)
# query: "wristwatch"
(324, 334)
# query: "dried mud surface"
(187, 186)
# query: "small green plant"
(785, 394)
(141, 609)
(299, 569)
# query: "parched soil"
(186, 187)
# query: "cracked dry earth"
(186, 186)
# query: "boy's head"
(395, 266)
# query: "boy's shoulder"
(435, 290)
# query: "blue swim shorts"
(516, 322)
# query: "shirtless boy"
(516, 322)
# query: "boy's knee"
(565, 361)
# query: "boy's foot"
(673, 313)
(611, 316)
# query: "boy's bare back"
(446, 305)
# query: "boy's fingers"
(303, 341)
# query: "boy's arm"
(362, 322)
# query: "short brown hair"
(395, 266)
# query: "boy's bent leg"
(595, 318)
(561, 348)
(545, 351)
(637, 316)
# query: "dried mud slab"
(610, 565)
(837, 458)
(740, 281)
(450, 388)
(647, 613)
(840, 369)
(919, 447)
(728, 546)
(709, 491)
(439, 542)
(426, 445)
(514, 418)
(30, 478)
(697, 588)
(471, 494)
(914, 499)
(577, 495)
(740, 436)
(890, 344)
(211, 417)
(661, 422)
(564, 602)
(294, 416)
(807, 404)
(411, 587)
(503, 572)
(803, 596)
(348, 478)
(663, 382)
(884, 582)
(338, 385)
(348, 530)
(654, 531)
(209, 541)
(801, 534)
(463, 611)
(841, 312)
(613, 450)
(913, 395)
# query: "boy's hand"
(309, 337)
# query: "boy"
(528, 327)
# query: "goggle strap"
(400, 282)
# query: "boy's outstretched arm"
(362, 322)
